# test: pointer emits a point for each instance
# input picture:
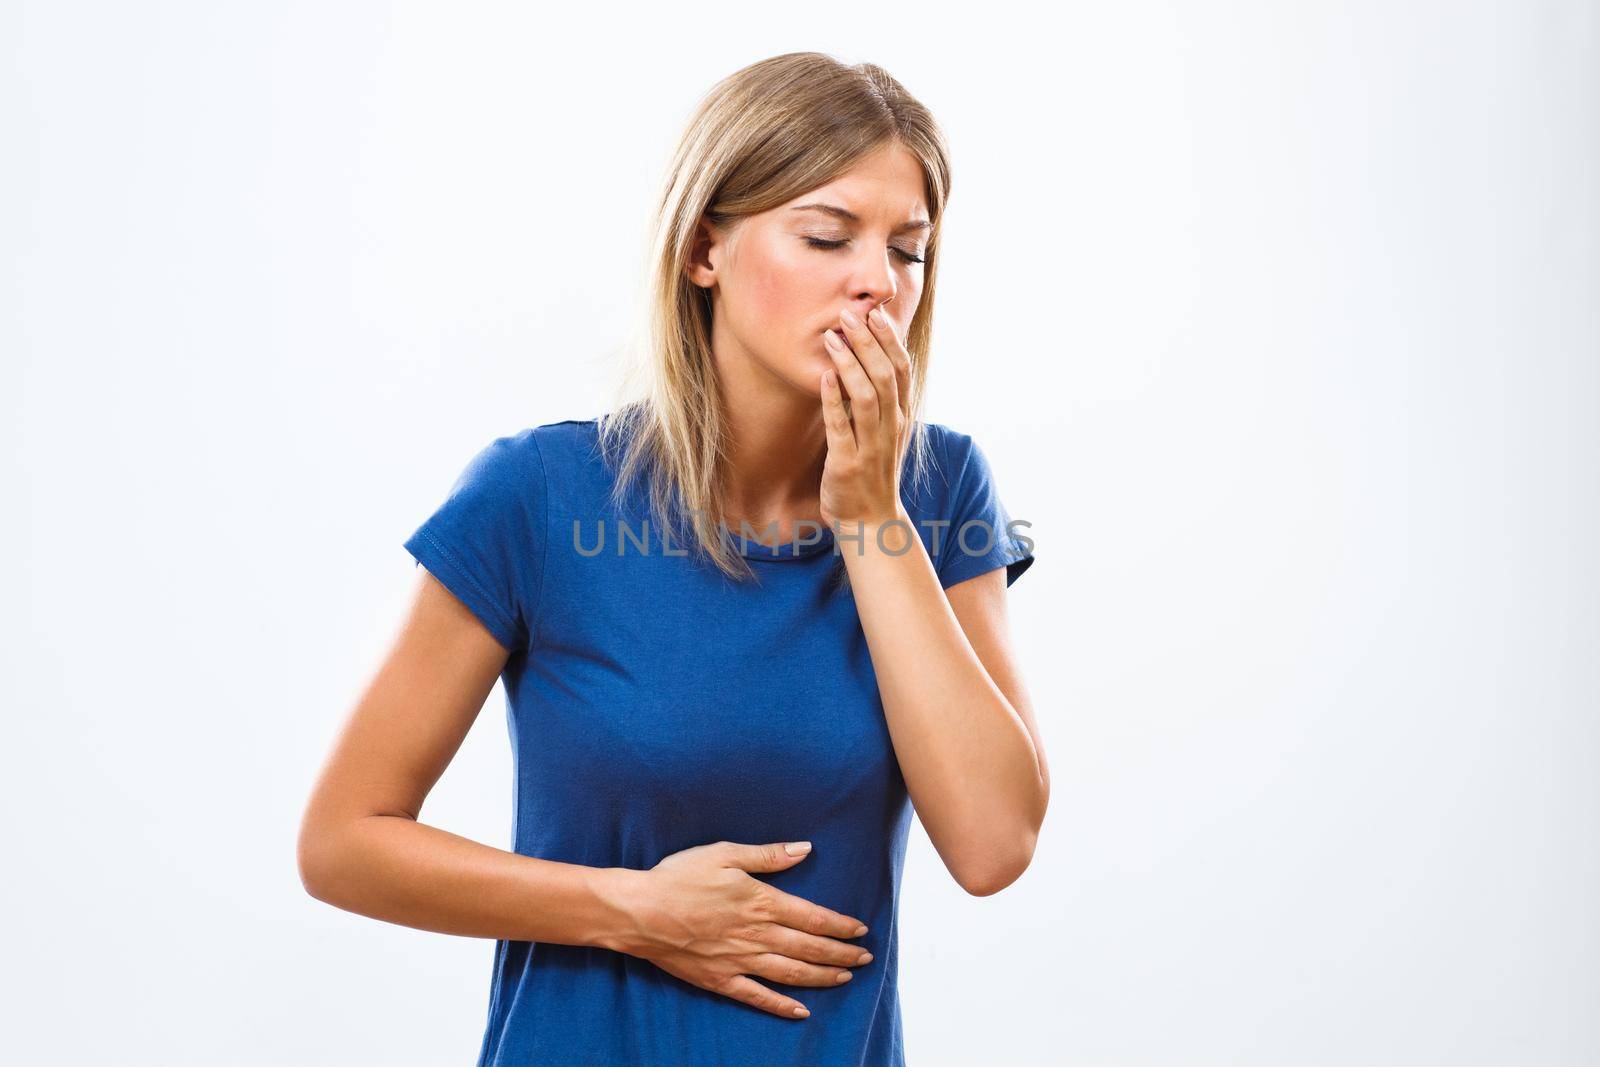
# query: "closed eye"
(818, 242)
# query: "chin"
(802, 369)
(812, 368)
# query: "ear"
(704, 253)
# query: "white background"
(1278, 320)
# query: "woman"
(744, 623)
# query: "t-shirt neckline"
(792, 548)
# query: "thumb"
(770, 857)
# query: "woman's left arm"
(957, 711)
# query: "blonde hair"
(761, 137)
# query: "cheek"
(782, 290)
(906, 302)
(911, 293)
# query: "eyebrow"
(851, 216)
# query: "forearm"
(394, 868)
(967, 757)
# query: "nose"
(874, 284)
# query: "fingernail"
(844, 976)
(802, 1012)
(849, 318)
(797, 848)
(833, 339)
(876, 315)
(859, 931)
(866, 957)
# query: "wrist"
(897, 513)
(891, 533)
(618, 893)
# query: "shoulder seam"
(946, 458)
(565, 422)
(954, 472)
(536, 624)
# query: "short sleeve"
(486, 541)
(981, 535)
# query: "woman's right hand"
(700, 916)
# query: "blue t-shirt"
(655, 704)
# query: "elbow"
(991, 882)
(998, 874)
(1002, 868)
(313, 858)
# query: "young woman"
(745, 623)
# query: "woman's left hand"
(861, 475)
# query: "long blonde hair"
(761, 137)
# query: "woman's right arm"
(361, 847)
(697, 914)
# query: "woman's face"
(781, 278)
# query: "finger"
(752, 992)
(773, 856)
(883, 329)
(863, 394)
(874, 360)
(801, 946)
(811, 918)
(841, 438)
(796, 972)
